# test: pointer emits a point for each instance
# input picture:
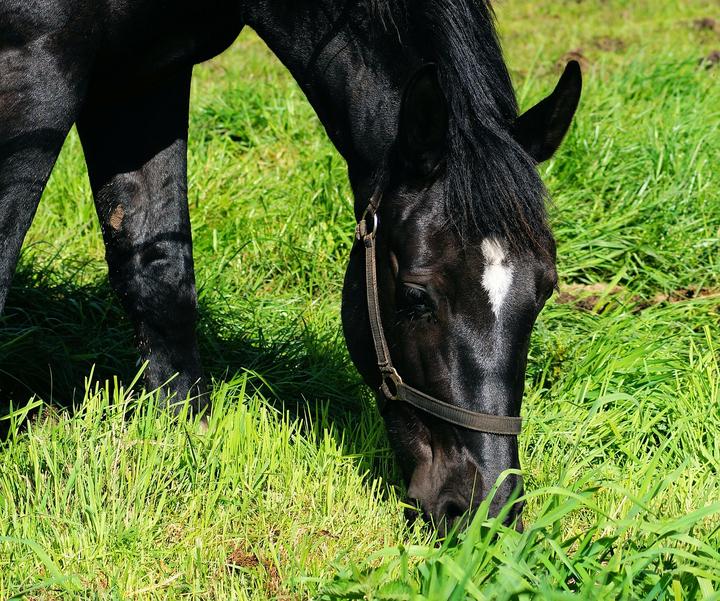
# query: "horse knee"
(156, 283)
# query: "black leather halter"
(393, 388)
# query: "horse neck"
(354, 86)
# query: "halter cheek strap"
(393, 388)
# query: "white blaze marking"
(497, 276)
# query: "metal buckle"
(362, 231)
(391, 382)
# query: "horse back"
(125, 41)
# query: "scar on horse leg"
(116, 218)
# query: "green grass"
(292, 491)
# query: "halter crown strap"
(393, 387)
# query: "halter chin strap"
(393, 388)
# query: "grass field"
(292, 492)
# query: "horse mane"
(492, 185)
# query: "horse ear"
(541, 129)
(423, 122)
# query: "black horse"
(417, 98)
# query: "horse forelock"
(492, 185)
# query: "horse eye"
(414, 302)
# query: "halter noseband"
(393, 388)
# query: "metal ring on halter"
(362, 226)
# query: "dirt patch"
(102, 581)
(240, 558)
(573, 55)
(174, 533)
(684, 294)
(676, 296)
(327, 534)
(589, 297)
(706, 24)
(608, 44)
(711, 60)
(598, 297)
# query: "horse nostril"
(442, 517)
(453, 511)
(451, 514)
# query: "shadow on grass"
(54, 331)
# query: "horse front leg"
(38, 105)
(136, 152)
